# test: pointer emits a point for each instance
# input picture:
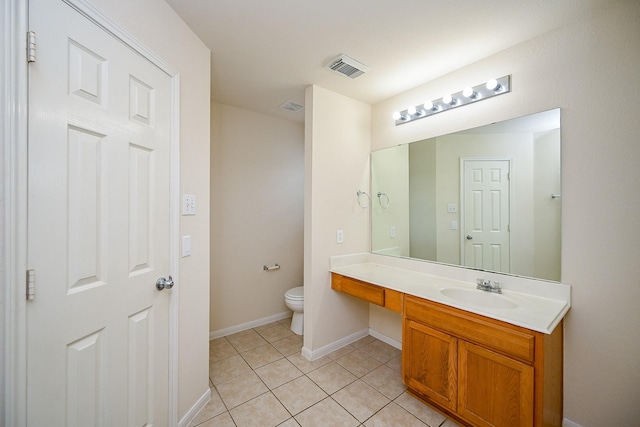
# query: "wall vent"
(347, 66)
(291, 106)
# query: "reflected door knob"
(469, 237)
(163, 283)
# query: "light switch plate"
(188, 204)
(186, 246)
(340, 236)
(452, 208)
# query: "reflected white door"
(485, 213)
(98, 227)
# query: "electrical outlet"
(340, 236)
(188, 204)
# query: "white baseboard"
(195, 409)
(244, 326)
(568, 423)
(336, 345)
(385, 339)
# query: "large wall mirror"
(486, 198)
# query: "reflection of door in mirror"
(425, 218)
(484, 210)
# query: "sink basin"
(478, 297)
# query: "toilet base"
(297, 322)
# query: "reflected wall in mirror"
(486, 198)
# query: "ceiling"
(264, 53)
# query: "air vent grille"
(347, 66)
(291, 106)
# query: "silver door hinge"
(31, 46)
(31, 284)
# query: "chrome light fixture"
(491, 88)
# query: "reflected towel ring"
(360, 193)
(380, 196)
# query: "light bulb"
(428, 105)
(469, 93)
(396, 115)
(493, 85)
(411, 110)
(448, 99)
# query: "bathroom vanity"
(483, 359)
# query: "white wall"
(257, 183)
(170, 38)
(337, 136)
(590, 69)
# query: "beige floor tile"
(363, 341)
(263, 411)
(213, 408)
(393, 415)
(424, 412)
(286, 322)
(306, 365)
(246, 340)
(222, 420)
(277, 373)
(341, 352)
(381, 351)
(386, 381)
(228, 368)
(450, 423)
(299, 394)
(275, 333)
(361, 400)
(395, 363)
(260, 356)
(289, 345)
(331, 377)
(220, 349)
(326, 413)
(266, 326)
(358, 363)
(291, 422)
(241, 389)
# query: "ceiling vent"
(347, 66)
(291, 106)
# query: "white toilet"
(294, 298)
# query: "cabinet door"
(429, 363)
(494, 390)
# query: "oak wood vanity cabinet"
(478, 370)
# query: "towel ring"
(360, 193)
(382, 204)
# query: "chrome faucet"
(489, 285)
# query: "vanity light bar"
(493, 87)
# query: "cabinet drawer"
(393, 300)
(499, 336)
(357, 288)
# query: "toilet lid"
(296, 293)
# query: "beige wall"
(169, 37)
(590, 69)
(337, 137)
(257, 183)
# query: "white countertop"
(535, 312)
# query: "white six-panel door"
(98, 227)
(485, 214)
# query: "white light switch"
(452, 208)
(393, 231)
(186, 246)
(188, 204)
(454, 225)
(340, 236)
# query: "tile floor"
(259, 378)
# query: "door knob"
(163, 283)
(469, 237)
